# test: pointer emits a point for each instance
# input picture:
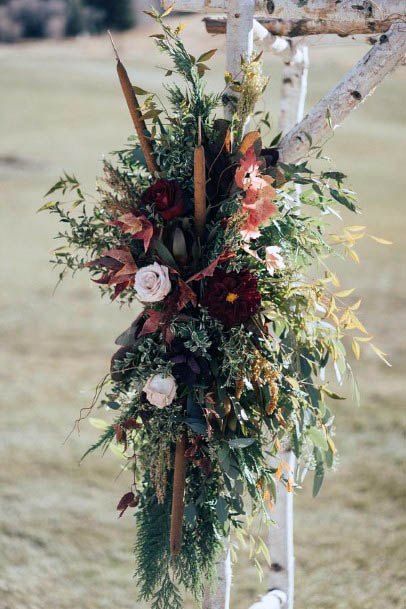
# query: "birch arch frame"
(282, 26)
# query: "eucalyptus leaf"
(318, 438)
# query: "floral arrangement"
(241, 323)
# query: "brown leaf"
(186, 295)
(152, 323)
(121, 436)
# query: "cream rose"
(152, 283)
(160, 390)
(274, 260)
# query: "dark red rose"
(166, 197)
(232, 297)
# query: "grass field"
(61, 545)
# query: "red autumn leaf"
(186, 295)
(125, 257)
(126, 501)
(152, 323)
(131, 423)
(121, 269)
(167, 334)
(209, 270)
(121, 436)
(120, 287)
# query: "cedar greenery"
(260, 383)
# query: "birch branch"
(354, 24)
(275, 599)
(346, 10)
(356, 85)
(200, 6)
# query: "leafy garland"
(229, 358)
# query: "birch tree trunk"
(353, 89)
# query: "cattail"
(239, 388)
(200, 184)
(178, 497)
(136, 115)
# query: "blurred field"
(61, 545)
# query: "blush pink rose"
(160, 390)
(152, 283)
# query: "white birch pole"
(353, 89)
(240, 43)
(281, 581)
(239, 37)
(294, 87)
(219, 596)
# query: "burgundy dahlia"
(232, 297)
(166, 197)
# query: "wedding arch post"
(282, 26)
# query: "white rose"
(160, 390)
(274, 260)
(152, 283)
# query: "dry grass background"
(61, 545)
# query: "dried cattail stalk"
(200, 184)
(178, 497)
(136, 115)
(239, 387)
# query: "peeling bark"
(352, 90)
